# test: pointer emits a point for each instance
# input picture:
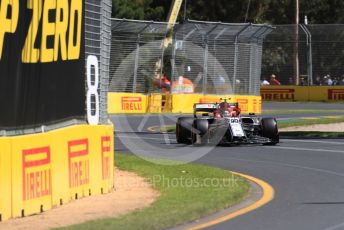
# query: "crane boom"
(174, 11)
(171, 19)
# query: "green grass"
(168, 128)
(186, 194)
(306, 122)
(299, 111)
(313, 134)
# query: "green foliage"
(323, 11)
(260, 11)
(137, 9)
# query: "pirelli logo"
(243, 105)
(336, 94)
(36, 173)
(78, 163)
(257, 104)
(132, 103)
(106, 155)
(278, 94)
(209, 100)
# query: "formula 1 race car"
(222, 123)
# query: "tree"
(137, 9)
(323, 11)
(261, 11)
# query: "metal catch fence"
(136, 46)
(98, 43)
(318, 50)
(217, 58)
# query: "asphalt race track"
(307, 175)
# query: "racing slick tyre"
(183, 129)
(199, 132)
(270, 130)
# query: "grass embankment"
(309, 122)
(188, 192)
(300, 111)
(312, 134)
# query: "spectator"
(342, 81)
(327, 80)
(273, 80)
(324, 82)
(303, 82)
(290, 81)
(265, 82)
(317, 80)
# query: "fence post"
(309, 54)
(236, 50)
(252, 56)
(173, 60)
(205, 65)
(205, 58)
(310, 59)
(137, 54)
(136, 65)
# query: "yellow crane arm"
(171, 19)
(174, 11)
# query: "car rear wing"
(205, 107)
(233, 105)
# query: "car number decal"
(236, 127)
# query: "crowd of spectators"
(326, 80)
(273, 81)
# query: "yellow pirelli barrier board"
(127, 103)
(183, 103)
(5, 179)
(41, 171)
(303, 93)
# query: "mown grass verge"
(312, 134)
(299, 111)
(306, 122)
(188, 192)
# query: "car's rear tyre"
(270, 130)
(183, 129)
(199, 132)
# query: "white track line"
(166, 137)
(314, 141)
(290, 166)
(142, 123)
(339, 226)
(305, 149)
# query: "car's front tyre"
(270, 130)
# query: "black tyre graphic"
(270, 130)
(183, 129)
(199, 131)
